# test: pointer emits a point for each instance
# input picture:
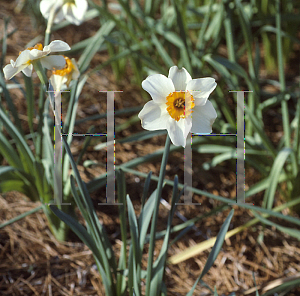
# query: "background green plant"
(149, 39)
(126, 276)
(189, 34)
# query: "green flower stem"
(155, 214)
(44, 80)
(58, 227)
(293, 187)
(284, 108)
(284, 105)
(229, 39)
(41, 73)
(41, 103)
(49, 26)
(47, 39)
(30, 104)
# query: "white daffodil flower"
(179, 104)
(61, 78)
(71, 10)
(27, 57)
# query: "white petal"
(58, 4)
(23, 58)
(45, 7)
(201, 89)
(77, 15)
(159, 87)
(69, 15)
(154, 116)
(13, 63)
(75, 72)
(35, 54)
(180, 78)
(28, 70)
(56, 46)
(81, 4)
(187, 126)
(59, 16)
(54, 61)
(10, 71)
(81, 8)
(203, 118)
(178, 130)
(57, 81)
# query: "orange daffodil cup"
(61, 79)
(33, 55)
(179, 104)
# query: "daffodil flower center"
(69, 1)
(66, 70)
(180, 104)
(38, 46)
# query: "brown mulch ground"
(33, 262)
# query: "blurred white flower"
(174, 99)
(61, 78)
(71, 10)
(32, 54)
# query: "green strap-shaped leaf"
(274, 177)
(9, 153)
(145, 218)
(21, 216)
(10, 103)
(255, 122)
(78, 229)
(93, 47)
(82, 233)
(290, 231)
(155, 214)
(95, 228)
(135, 244)
(22, 146)
(286, 286)
(15, 179)
(160, 263)
(215, 250)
